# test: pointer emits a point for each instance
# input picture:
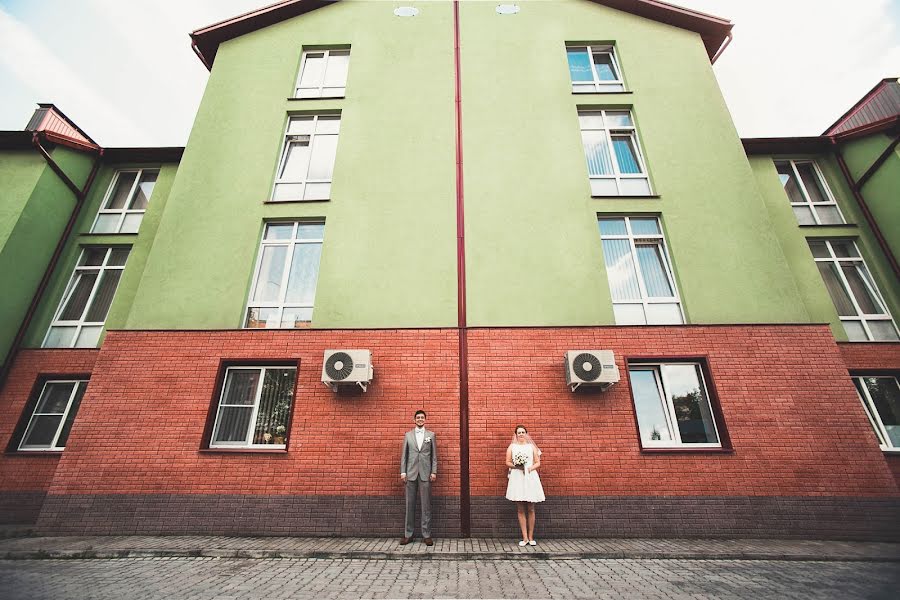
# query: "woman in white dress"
(523, 458)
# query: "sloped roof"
(205, 41)
(880, 103)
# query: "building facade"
(469, 191)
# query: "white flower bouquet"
(519, 459)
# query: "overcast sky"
(125, 72)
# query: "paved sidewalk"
(106, 547)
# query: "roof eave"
(786, 145)
(713, 30)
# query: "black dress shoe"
(404, 541)
(429, 542)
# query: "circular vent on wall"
(406, 11)
(339, 366)
(587, 367)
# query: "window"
(859, 304)
(79, 319)
(126, 200)
(810, 198)
(673, 406)
(615, 164)
(307, 160)
(323, 74)
(284, 285)
(254, 408)
(880, 397)
(639, 271)
(51, 421)
(594, 69)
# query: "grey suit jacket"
(418, 464)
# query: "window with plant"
(254, 407)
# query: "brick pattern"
(871, 356)
(802, 446)
(795, 422)
(875, 357)
(239, 515)
(25, 477)
(829, 518)
(20, 508)
(140, 427)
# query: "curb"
(452, 556)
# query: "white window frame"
(868, 280)
(124, 211)
(598, 84)
(619, 130)
(280, 304)
(79, 269)
(321, 93)
(285, 151)
(248, 439)
(662, 386)
(808, 203)
(62, 423)
(884, 440)
(633, 242)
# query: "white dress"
(522, 487)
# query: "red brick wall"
(794, 420)
(25, 476)
(32, 471)
(871, 356)
(140, 426)
(874, 357)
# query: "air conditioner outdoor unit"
(347, 367)
(591, 368)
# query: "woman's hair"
(515, 438)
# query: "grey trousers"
(422, 489)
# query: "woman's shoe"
(523, 543)
(532, 543)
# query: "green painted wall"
(36, 206)
(793, 239)
(140, 247)
(389, 252)
(882, 191)
(534, 251)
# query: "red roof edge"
(890, 125)
(206, 40)
(856, 107)
(63, 116)
(713, 30)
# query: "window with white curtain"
(287, 269)
(82, 312)
(859, 304)
(639, 271)
(614, 159)
(54, 412)
(323, 73)
(810, 197)
(594, 68)
(880, 397)
(307, 158)
(672, 404)
(254, 407)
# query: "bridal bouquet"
(519, 460)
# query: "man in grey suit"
(418, 468)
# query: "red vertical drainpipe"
(464, 498)
(80, 195)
